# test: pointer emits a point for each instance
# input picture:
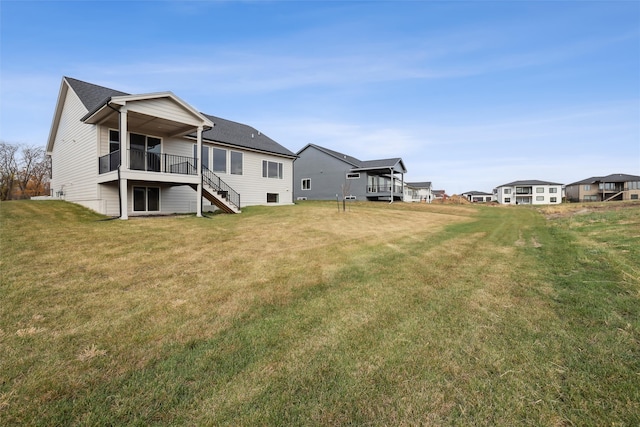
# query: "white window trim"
(265, 172)
(146, 198)
(241, 165)
(213, 160)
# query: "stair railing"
(214, 181)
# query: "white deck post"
(123, 199)
(199, 168)
(124, 163)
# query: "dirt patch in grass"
(573, 209)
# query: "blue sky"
(471, 94)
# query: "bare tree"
(8, 169)
(40, 177)
(24, 171)
(32, 171)
(346, 191)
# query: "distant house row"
(595, 189)
(139, 154)
(320, 172)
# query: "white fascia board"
(62, 94)
(122, 100)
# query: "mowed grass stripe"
(449, 323)
(130, 288)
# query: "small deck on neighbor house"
(383, 192)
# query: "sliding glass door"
(145, 152)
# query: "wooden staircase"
(219, 192)
(614, 196)
(219, 198)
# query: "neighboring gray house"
(145, 154)
(617, 186)
(529, 192)
(323, 174)
(418, 192)
(477, 196)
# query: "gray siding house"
(121, 154)
(324, 174)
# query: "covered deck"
(141, 141)
(385, 180)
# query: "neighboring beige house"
(531, 192)
(418, 192)
(145, 154)
(439, 194)
(477, 196)
(616, 186)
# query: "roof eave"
(95, 115)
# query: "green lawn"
(385, 314)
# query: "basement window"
(273, 197)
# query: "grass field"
(304, 315)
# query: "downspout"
(119, 194)
(392, 184)
(119, 161)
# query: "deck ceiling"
(377, 171)
(148, 125)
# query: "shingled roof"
(423, 184)
(340, 156)
(477, 193)
(379, 164)
(240, 135)
(92, 96)
(358, 164)
(615, 177)
(224, 131)
(529, 182)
